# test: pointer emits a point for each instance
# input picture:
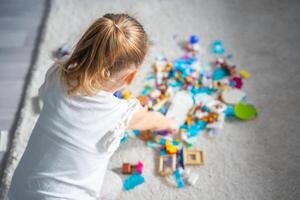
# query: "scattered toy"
(133, 180)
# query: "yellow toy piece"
(245, 74)
(170, 148)
(127, 94)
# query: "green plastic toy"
(245, 111)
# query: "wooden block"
(126, 168)
(167, 164)
(193, 157)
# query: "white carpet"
(252, 160)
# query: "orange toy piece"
(189, 120)
(210, 118)
(144, 100)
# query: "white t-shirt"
(71, 143)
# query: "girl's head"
(107, 56)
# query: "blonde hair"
(113, 43)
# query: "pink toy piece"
(238, 82)
(140, 167)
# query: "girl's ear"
(130, 77)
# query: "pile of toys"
(200, 96)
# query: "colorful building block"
(133, 181)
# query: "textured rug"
(254, 160)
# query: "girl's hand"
(173, 125)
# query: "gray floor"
(19, 24)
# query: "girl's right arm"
(151, 120)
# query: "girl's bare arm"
(151, 120)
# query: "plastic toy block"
(145, 135)
(245, 74)
(179, 179)
(167, 164)
(163, 152)
(127, 94)
(136, 132)
(119, 94)
(140, 167)
(193, 157)
(3, 140)
(170, 148)
(133, 181)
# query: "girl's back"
(71, 143)
(81, 123)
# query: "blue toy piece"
(194, 39)
(205, 108)
(163, 141)
(229, 112)
(181, 158)
(133, 181)
(136, 132)
(124, 138)
(119, 94)
(163, 152)
(179, 179)
(219, 73)
(152, 144)
(218, 47)
(204, 90)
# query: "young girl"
(81, 123)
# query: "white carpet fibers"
(252, 160)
